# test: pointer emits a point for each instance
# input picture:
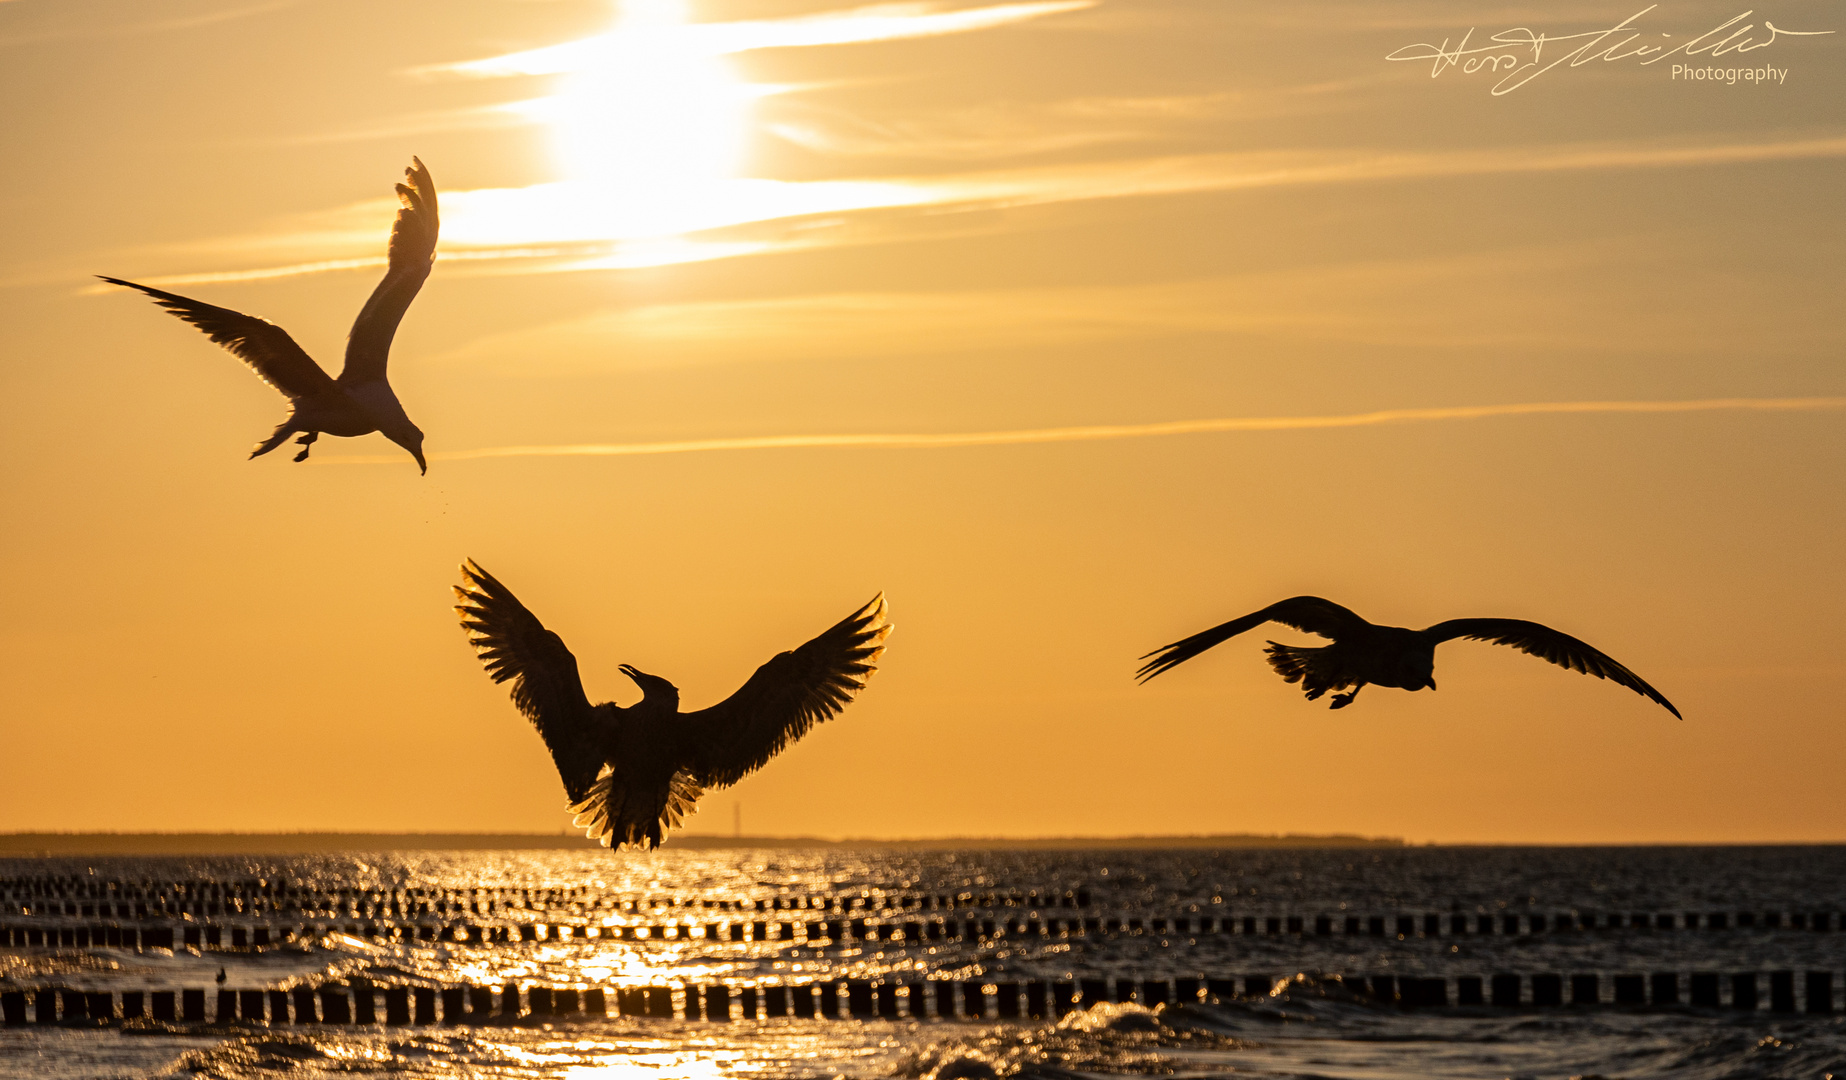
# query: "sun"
(654, 120)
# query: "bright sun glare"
(654, 120)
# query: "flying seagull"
(632, 773)
(360, 401)
(1364, 652)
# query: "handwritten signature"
(1520, 51)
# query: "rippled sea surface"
(1269, 962)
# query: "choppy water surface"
(759, 920)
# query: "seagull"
(1364, 652)
(632, 773)
(360, 401)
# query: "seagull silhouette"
(1364, 652)
(360, 401)
(632, 773)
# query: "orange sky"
(730, 220)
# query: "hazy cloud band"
(1097, 432)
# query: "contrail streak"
(1097, 432)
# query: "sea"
(1381, 962)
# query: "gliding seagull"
(360, 401)
(632, 773)
(1364, 652)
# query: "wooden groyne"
(1812, 992)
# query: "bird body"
(360, 401)
(633, 772)
(1365, 653)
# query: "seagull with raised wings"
(1364, 652)
(632, 773)
(360, 401)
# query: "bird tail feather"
(1316, 669)
(276, 438)
(620, 816)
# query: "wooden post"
(1006, 1000)
(718, 1003)
(746, 999)
(659, 1002)
(802, 998)
(481, 1003)
(1035, 1000)
(1584, 990)
(162, 1005)
(538, 1000)
(250, 1005)
(134, 1005)
(829, 1001)
(192, 1006)
(775, 1001)
(859, 999)
(397, 1005)
(1820, 992)
(453, 1004)
(335, 1006)
(886, 995)
(973, 1000)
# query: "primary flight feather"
(360, 400)
(632, 773)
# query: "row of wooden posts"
(1405, 927)
(972, 999)
(87, 897)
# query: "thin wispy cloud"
(587, 230)
(1103, 432)
(882, 22)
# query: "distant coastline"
(17, 845)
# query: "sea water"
(1200, 915)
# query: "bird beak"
(422, 466)
(1432, 684)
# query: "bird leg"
(1340, 701)
(307, 443)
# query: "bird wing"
(411, 252)
(1306, 613)
(787, 696)
(1547, 644)
(266, 347)
(514, 646)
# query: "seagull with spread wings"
(632, 773)
(360, 401)
(1364, 652)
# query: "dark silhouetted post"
(162, 1005)
(973, 1000)
(859, 998)
(1743, 990)
(1093, 990)
(886, 994)
(746, 1002)
(829, 1001)
(1547, 990)
(1782, 991)
(718, 1003)
(454, 999)
(250, 1005)
(1666, 988)
(1506, 990)
(278, 1006)
(802, 997)
(1820, 992)
(1006, 1000)
(335, 1006)
(192, 1006)
(397, 1005)
(1705, 989)
(13, 1008)
(1584, 990)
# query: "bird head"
(653, 687)
(409, 437)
